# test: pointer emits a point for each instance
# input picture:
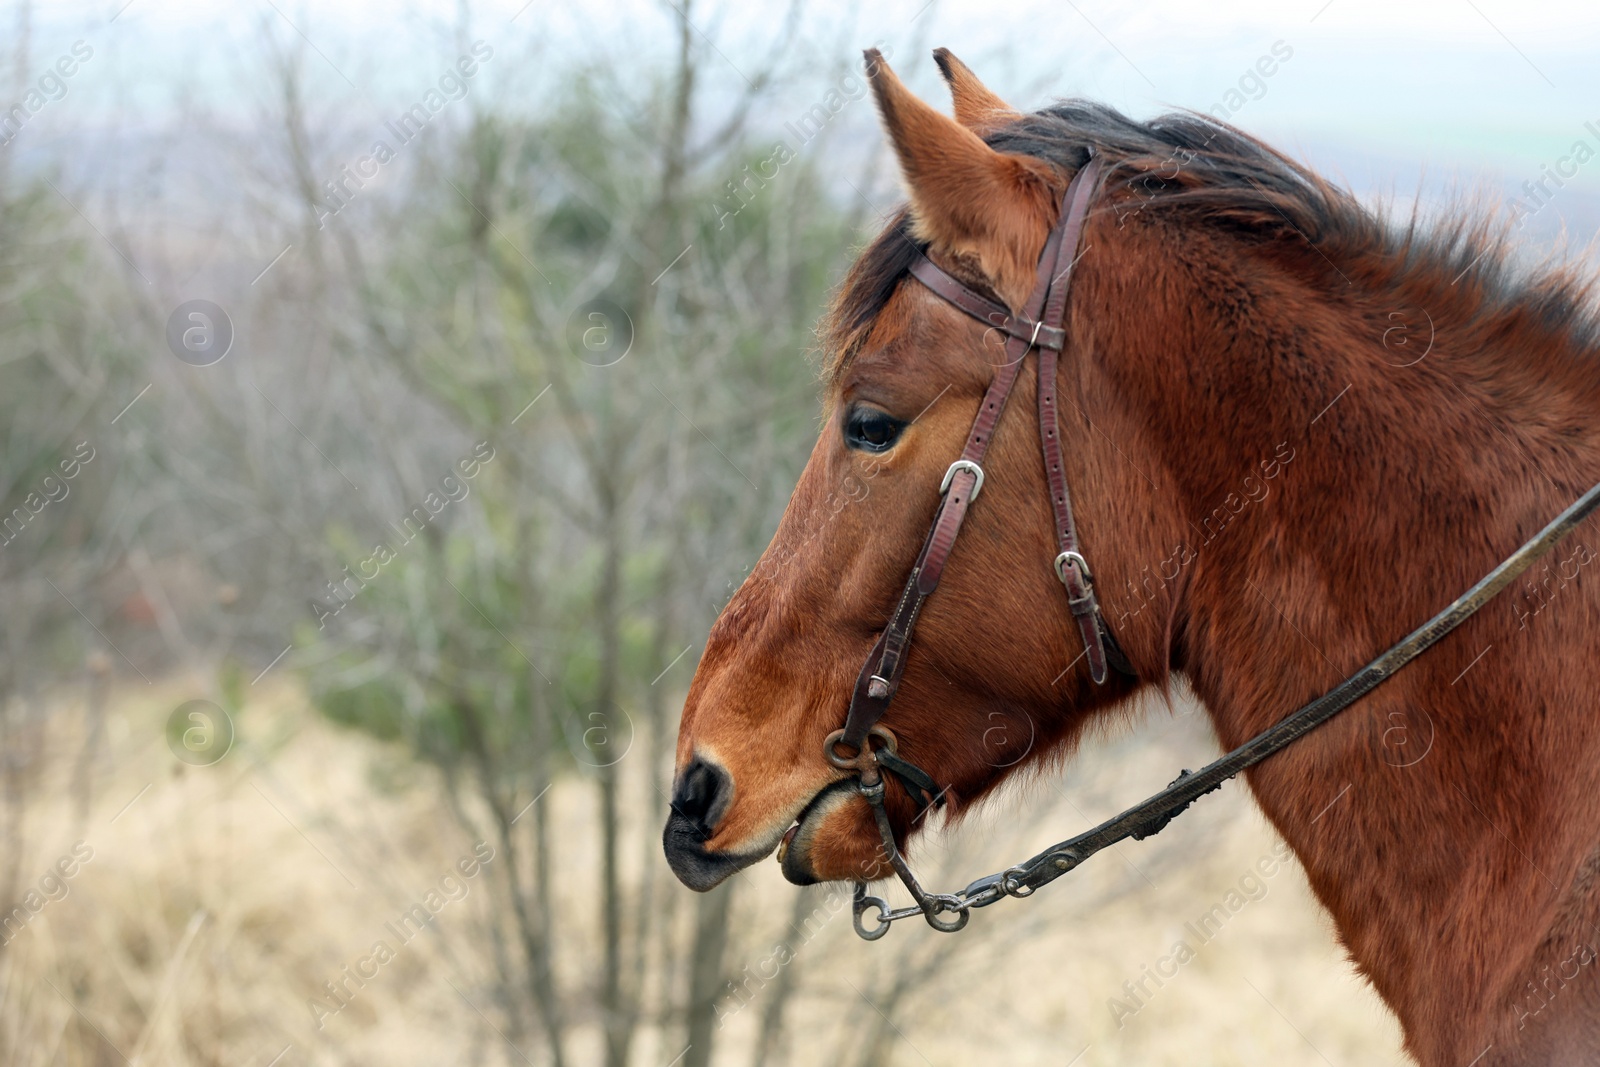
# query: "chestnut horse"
(1294, 430)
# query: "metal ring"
(853, 762)
(862, 903)
(1011, 882)
(833, 757)
(942, 904)
(1072, 557)
(960, 465)
(1036, 328)
(829, 749)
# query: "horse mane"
(1462, 265)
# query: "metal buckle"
(963, 464)
(1073, 557)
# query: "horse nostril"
(702, 795)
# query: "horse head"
(996, 680)
(1230, 313)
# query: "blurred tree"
(599, 303)
(565, 288)
(61, 365)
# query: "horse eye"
(871, 430)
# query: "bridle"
(1041, 327)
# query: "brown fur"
(976, 108)
(1228, 312)
(976, 204)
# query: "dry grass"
(1034, 979)
(220, 899)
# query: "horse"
(1294, 427)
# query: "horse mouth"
(696, 866)
(794, 849)
(703, 869)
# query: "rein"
(1041, 327)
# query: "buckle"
(1070, 556)
(968, 465)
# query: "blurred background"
(391, 396)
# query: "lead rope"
(1152, 816)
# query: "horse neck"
(1334, 499)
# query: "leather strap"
(982, 308)
(1040, 326)
(880, 676)
(1070, 565)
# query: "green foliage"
(62, 360)
(502, 627)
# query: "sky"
(1382, 95)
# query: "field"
(218, 900)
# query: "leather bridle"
(1041, 327)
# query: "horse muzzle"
(696, 866)
(701, 798)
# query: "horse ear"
(967, 199)
(977, 108)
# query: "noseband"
(1042, 327)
